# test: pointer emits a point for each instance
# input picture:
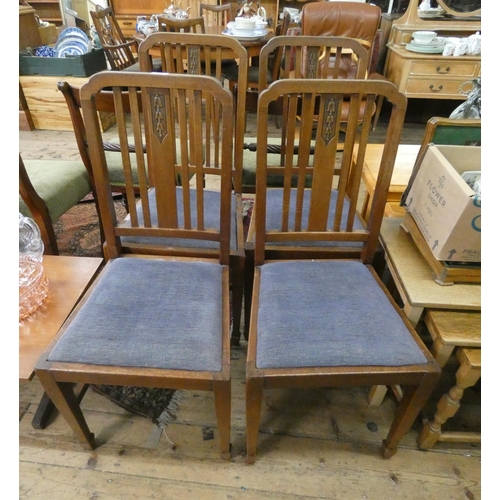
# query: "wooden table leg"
(467, 375)
(43, 412)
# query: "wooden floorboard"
(316, 444)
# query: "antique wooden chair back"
(119, 51)
(158, 319)
(105, 104)
(190, 25)
(194, 54)
(216, 15)
(320, 320)
(302, 57)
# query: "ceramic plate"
(425, 50)
(82, 46)
(256, 35)
(432, 45)
(73, 31)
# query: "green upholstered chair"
(48, 189)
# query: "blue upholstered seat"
(212, 220)
(341, 317)
(149, 313)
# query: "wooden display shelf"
(444, 273)
(47, 106)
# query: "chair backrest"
(350, 19)
(327, 211)
(117, 48)
(313, 57)
(164, 107)
(104, 104)
(216, 15)
(201, 54)
(190, 25)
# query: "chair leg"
(65, 400)
(222, 397)
(237, 280)
(414, 399)
(249, 270)
(254, 392)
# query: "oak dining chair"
(303, 57)
(193, 53)
(327, 320)
(189, 25)
(158, 318)
(216, 14)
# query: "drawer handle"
(436, 90)
(438, 69)
(128, 23)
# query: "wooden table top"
(253, 47)
(68, 279)
(403, 166)
(416, 277)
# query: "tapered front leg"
(412, 403)
(63, 397)
(222, 397)
(254, 393)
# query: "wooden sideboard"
(430, 76)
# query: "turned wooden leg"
(254, 392)
(467, 375)
(412, 402)
(63, 397)
(222, 397)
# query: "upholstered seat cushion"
(115, 169)
(328, 313)
(212, 220)
(149, 313)
(60, 183)
(156, 65)
(250, 166)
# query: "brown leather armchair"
(350, 19)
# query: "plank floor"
(316, 444)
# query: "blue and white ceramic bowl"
(45, 51)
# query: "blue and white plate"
(72, 46)
(72, 31)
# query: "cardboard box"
(446, 210)
(84, 65)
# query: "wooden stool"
(450, 329)
(467, 375)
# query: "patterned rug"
(78, 234)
